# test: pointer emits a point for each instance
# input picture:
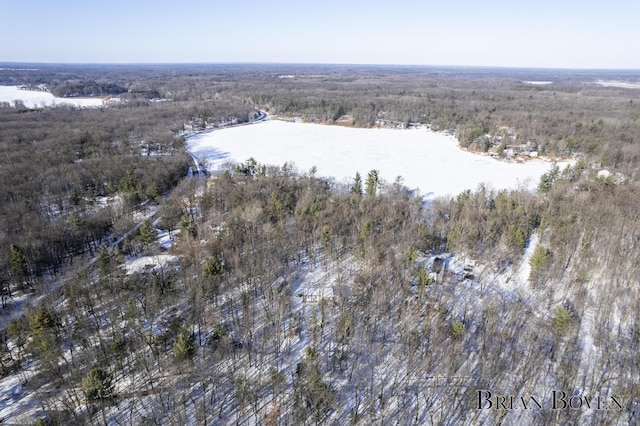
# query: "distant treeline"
(88, 88)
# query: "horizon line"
(264, 63)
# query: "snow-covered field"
(427, 160)
(621, 84)
(538, 82)
(35, 98)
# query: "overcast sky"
(542, 33)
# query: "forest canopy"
(266, 294)
(88, 88)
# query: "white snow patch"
(16, 405)
(430, 161)
(143, 263)
(621, 84)
(166, 239)
(514, 279)
(37, 98)
(524, 270)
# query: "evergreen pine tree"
(357, 185)
(18, 264)
(147, 233)
(373, 179)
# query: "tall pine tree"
(357, 185)
(373, 179)
(18, 264)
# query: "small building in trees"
(438, 264)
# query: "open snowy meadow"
(36, 98)
(428, 161)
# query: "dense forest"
(292, 299)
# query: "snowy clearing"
(143, 263)
(36, 98)
(430, 161)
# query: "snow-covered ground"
(143, 263)
(36, 98)
(17, 406)
(622, 84)
(430, 161)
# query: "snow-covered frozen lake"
(429, 161)
(35, 98)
